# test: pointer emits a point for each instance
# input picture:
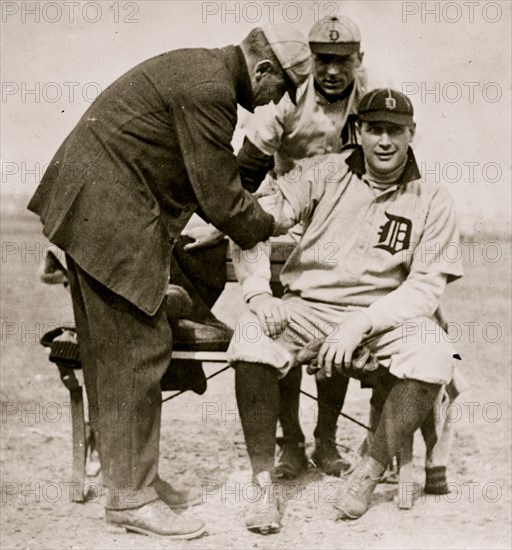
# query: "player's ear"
(262, 67)
(412, 131)
(358, 131)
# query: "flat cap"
(335, 36)
(386, 105)
(292, 50)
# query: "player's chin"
(334, 89)
(384, 165)
(267, 94)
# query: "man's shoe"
(355, 498)
(156, 518)
(177, 499)
(264, 516)
(328, 459)
(292, 459)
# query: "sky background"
(66, 52)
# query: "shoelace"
(355, 485)
(264, 503)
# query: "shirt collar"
(238, 68)
(411, 171)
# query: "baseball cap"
(335, 36)
(291, 49)
(386, 105)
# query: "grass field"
(202, 438)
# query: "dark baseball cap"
(386, 105)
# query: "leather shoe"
(292, 459)
(328, 459)
(355, 498)
(156, 518)
(264, 516)
(177, 499)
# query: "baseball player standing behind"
(277, 136)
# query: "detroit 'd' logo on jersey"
(395, 234)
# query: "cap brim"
(401, 119)
(291, 88)
(335, 48)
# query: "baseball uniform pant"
(417, 350)
(202, 273)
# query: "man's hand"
(204, 236)
(271, 313)
(284, 217)
(338, 353)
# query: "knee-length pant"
(418, 349)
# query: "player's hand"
(336, 352)
(271, 313)
(204, 236)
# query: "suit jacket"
(153, 148)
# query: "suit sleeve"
(254, 165)
(205, 121)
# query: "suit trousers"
(124, 354)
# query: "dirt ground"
(202, 442)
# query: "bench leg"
(79, 445)
(76, 395)
(92, 466)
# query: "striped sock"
(435, 481)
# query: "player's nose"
(384, 140)
(333, 69)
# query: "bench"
(281, 251)
(53, 272)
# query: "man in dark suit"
(154, 148)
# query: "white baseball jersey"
(390, 251)
(312, 127)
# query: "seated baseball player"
(369, 269)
